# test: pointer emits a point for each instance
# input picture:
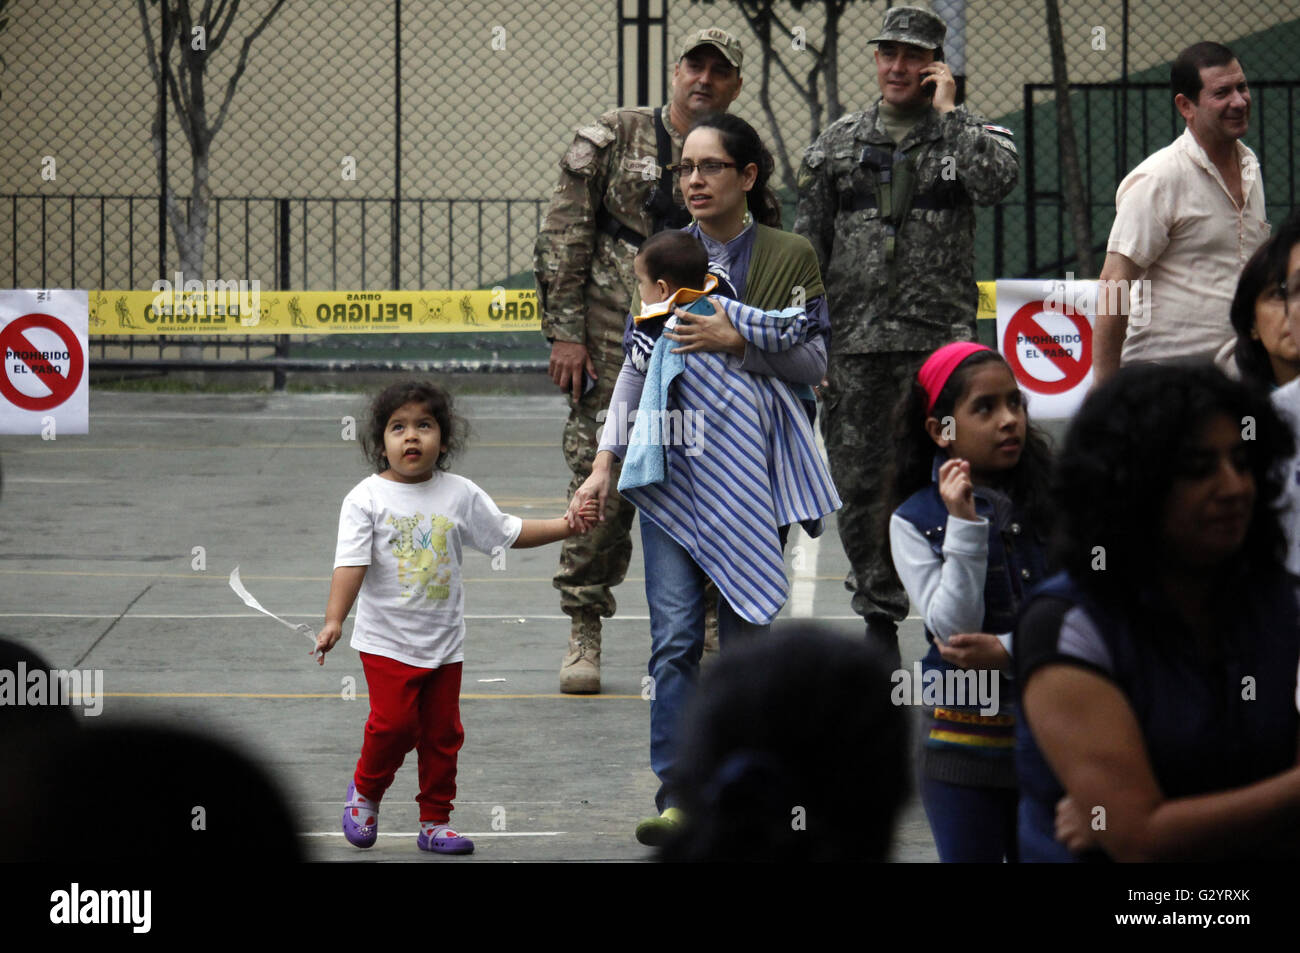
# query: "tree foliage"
(180, 47)
(805, 65)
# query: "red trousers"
(412, 708)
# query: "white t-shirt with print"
(411, 606)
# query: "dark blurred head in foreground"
(124, 793)
(793, 751)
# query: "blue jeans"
(1036, 835)
(971, 825)
(674, 587)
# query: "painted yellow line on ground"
(339, 445)
(224, 580)
(336, 695)
(199, 576)
(213, 576)
(510, 617)
(465, 833)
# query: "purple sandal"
(443, 840)
(360, 821)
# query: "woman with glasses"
(723, 173)
(1264, 351)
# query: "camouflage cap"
(912, 24)
(720, 40)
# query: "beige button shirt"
(1175, 219)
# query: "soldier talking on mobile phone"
(887, 197)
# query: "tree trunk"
(1071, 176)
(814, 104)
(197, 225)
(830, 61)
(765, 100)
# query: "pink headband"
(938, 367)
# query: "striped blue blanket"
(720, 458)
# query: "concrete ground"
(101, 568)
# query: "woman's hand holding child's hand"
(584, 516)
(326, 639)
(974, 650)
(588, 503)
(957, 490)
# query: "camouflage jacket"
(960, 162)
(585, 283)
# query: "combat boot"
(580, 673)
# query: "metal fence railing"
(312, 243)
(1123, 124)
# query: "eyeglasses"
(1290, 291)
(709, 167)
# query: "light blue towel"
(646, 461)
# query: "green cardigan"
(780, 262)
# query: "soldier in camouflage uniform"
(585, 285)
(887, 196)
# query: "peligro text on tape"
(230, 312)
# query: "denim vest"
(1017, 560)
(1017, 563)
(1200, 733)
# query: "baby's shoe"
(360, 818)
(441, 839)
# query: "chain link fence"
(376, 144)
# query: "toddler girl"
(401, 532)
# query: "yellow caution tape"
(241, 311)
(987, 309)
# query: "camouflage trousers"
(591, 565)
(857, 424)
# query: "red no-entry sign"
(13, 339)
(1024, 323)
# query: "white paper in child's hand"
(237, 584)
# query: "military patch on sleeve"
(812, 160)
(600, 135)
(586, 143)
(579, 156)
(999, 130)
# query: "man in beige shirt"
(1187, 219)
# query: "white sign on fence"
(44, 385)
(1045, 334)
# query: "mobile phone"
(929, 83)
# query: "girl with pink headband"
(967, 537)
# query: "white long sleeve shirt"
(948, 592)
